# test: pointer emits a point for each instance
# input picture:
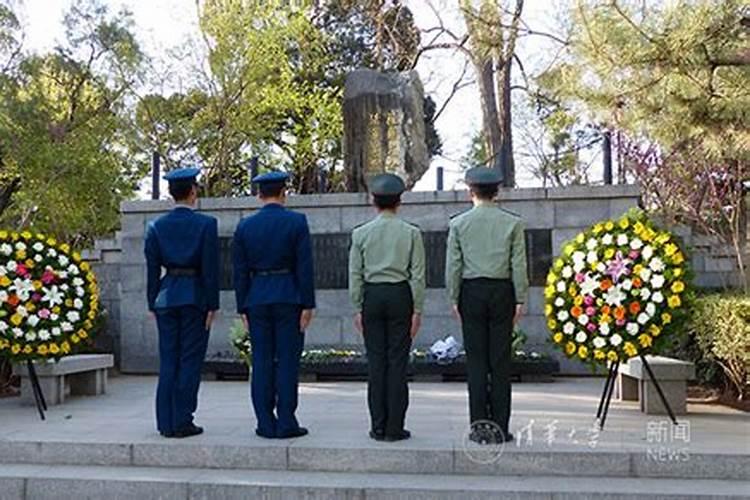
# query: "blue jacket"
(183, 239)
(273, 239)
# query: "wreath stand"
(41, 404)
(609, 386)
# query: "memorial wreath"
(49, 299)
(617, 290)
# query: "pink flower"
(21, 270)
(589, 301)
(620, 322)
(48, 277)
(634, 254)
(591, 327)
(590, 312)
(580, 277)
(44, 313)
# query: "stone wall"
(120, 265)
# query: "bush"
(720, 325)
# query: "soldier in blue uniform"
(274, 286)
(185, 244)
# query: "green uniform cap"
(387, 185)
(479, 176)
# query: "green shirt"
(486, 242)
(387, 250)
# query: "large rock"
(384, 127)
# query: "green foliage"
(240, 340)
(720, 327)
(63, 127)
(477, 156)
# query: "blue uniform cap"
(271, 178)
(182, 174)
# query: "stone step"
(385, 458)
(38, 482)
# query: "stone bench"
(635, 384)
(77, 375)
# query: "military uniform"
(486, 278)
(186, 244)
(274, 283)
(387, 284)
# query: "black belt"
(270, 272)
(182, 271)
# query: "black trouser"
(386, 317)
(487, 307)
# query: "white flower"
(78, 304)
(657, 281)
(44, 335)
(38, 258)
(12, 266)
(559, 302)
(645, 274)
(643, 318)
(52, 252)
(73, 316)
(52, 296)
(56, 332)
(581, 337)
(31, 336)
(80, 292)
(32, 320)
(20, 245)
(78, 282)
(592, 244)
(560, 286)
(656, 265)
(615, 339)
(632, 328)
(567, 272)
(17, 333)
(579, 256)
(657, 297)
(63, 260)
(599, 342)
(23, 288)
(622, 239)
(38, 246)
(563, 316)
(647, 252)
(3, 296)
(6, 249)
(614, 296)
(3, 326)
(583, 319)
(579, 266)
(73, 269)
(64, 287)
(636, 244)
(645, 293)
(604, 329)
(627, 284)
(66, 327)
(54, 317)
(63, 275)
(650, 309)
(607, 239)
(589, 285)
(601, 267)
(568, 328)
(592, 257)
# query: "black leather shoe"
(404, 434)
(505, 438)
(264, 435)
(481, 437)
(167, 434)
(191, 430)
(299, 432)
(377, 435)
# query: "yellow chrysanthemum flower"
(572, 291)
(15, 349)
(569, 249)
(37, 284)
(40, 236)
(666, 318)
(88, 324)
(578, 300)
(670, 249)
(678, 287)
(54, 348)
(75, 338)
(26, 235)
(549, 292)
(570, 348)
(645, 340)
(68, 302)
(65, 347)
(16, 319)
(580, 238)
(20, 254)
(42, 349)
(65, 248)
(558, 337)
(598, 228)
(83, 334)
(583, 352)
(559, 264)
(551, 278)
(5, 281)
(638, 228)
(548, 309)
(552, 324)
(51, 242)
(92, 315)
(637, 269)
(674, 301)
(612, 356)
(624, 223)
(630, 349)
(609, 253)
(56, 309)
(14, 236)
(677, 272)
(30, 263)
(609, 225)
(30, 307)
(654, 330)
(27, 349)
(678, 258)
(599, 354)
(3, 235)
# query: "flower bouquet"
(616, 290)
(49, 299)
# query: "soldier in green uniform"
(387, 284)
(486, 278)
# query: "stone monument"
(384, 128)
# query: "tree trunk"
(506, 132)
(490, 119)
